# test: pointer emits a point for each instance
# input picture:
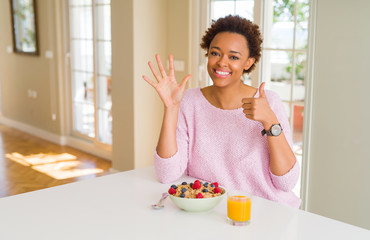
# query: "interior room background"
(336, 166)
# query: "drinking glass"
(238, 208)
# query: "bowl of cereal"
(196, 196)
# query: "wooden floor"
(29, 163)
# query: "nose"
(222, 61)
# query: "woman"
(228, 132)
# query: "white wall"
(160, 26)
(122, 84)
(339, 181)
(139, 31)
(150, 37)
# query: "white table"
(118, 206)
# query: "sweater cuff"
(287, 181)
(165, 167)
(156, 156)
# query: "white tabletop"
(118, 206)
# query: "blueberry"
(191, 184)
(205, 190)
(182, 195)
(184, 183)
(183, 190)
(174, 186)
(205, 184)
(212, 185)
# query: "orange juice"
(239, 208)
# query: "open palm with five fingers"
(166, 86)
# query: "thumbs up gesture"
(258, 109)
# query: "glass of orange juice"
(238, 208)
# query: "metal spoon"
(160, 205)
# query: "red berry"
(199, 195)
(171, 191)
(197, 181)
(196, 185)
(217, 190)
(215, 183)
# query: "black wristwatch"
(275, 130)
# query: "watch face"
(276, 130)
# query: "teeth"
(222, 73)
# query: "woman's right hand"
(166, 86)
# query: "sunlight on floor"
(57, 166)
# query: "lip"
(221, 75)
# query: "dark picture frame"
(24, 27)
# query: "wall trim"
(88, 147)
(33, 130)
(57, 139)
(113, 170)
(307, 120)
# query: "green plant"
(299, 66)
(284, 11)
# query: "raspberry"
(215, 183)
(171, 191)
(196, 185)
(217, 190)
(196, 181)
(199, 195)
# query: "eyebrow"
(231, 51)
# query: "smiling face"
(228, 57)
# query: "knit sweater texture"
(224, 146)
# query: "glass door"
(91, 54)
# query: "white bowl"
(197, 204)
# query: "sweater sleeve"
(172, 168)
(287, 181)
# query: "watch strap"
(268, 132)
(263, 132)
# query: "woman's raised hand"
(166, 86)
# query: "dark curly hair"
(236, 24)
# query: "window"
(243, 8)
(284, 24)
(283, 65)
(91, 54)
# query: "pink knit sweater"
(224, 146)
